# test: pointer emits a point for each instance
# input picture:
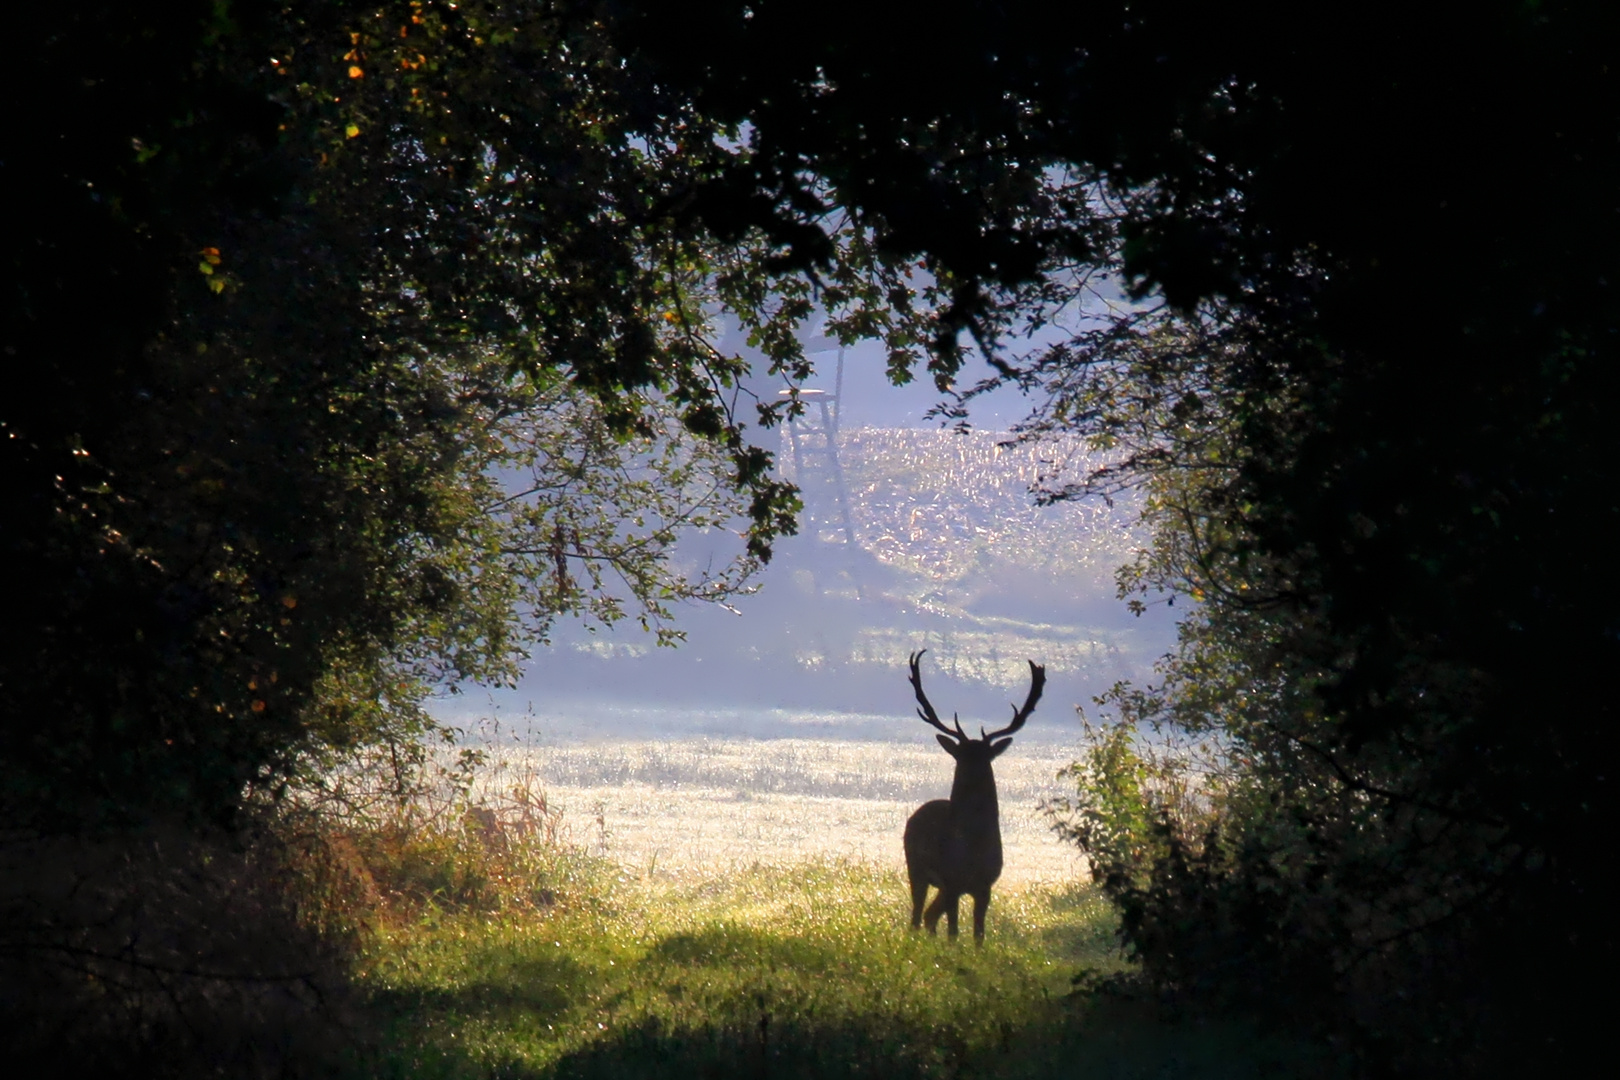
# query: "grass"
(745, 801)
(804, 971)
(685, 909)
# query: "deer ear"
(998, 746)
(948, 744)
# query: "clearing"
(719, 908)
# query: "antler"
(1037, 683)
(927, 711)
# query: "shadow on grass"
(1085, 945)
(744, 946)
(540, 989)
(1093, 1036)
(732, 1000)
(1117, 1043)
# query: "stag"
(955, 844)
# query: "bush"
(167, 951)
(386, 838)
(160, 952)
(1306, 908)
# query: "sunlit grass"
(708, 806)
(726, 935)
(801, 971)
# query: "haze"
(944, 550)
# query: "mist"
(912, 537)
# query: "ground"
(757, 927)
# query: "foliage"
(168, 954)
(1111, 818)
(1363, 874)
(1363, 362)
(364, 343)
(283, 265)
(398, 830)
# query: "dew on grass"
(666, 808)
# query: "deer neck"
(973, 798)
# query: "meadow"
(714, 907)
(708, 807)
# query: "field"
(719, 908)
(942, 504)
(944, 549)
(687, 809)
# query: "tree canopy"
(1367, 376)
(359, 343)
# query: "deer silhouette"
(955, 844)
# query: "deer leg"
(919, 896)
(981, 901)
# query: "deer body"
(954, 845)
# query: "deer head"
(989, 745)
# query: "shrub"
(162, 952)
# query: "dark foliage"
(165, 954)
(285, 271)
(1400, 225)
(1388, 232)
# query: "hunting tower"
(812, 439)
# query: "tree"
(1368, 367)
(365, 341)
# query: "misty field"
(697, 808)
